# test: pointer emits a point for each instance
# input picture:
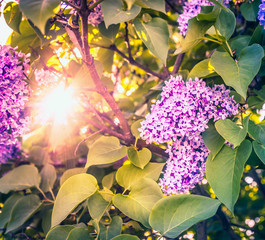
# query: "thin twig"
(177, 64)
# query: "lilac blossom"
(13, 98)
(46, 78)
(191, 9)
(184, 109)
(261, 13)
(185, 165)
(95, 16)
(178, 119)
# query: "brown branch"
(89, 61)
(177, 63)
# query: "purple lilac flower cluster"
(191, 9)
(261, 14)
(13, 97)
(96, 16)
(180, 116)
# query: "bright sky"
(5, 31)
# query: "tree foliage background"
(78, 155)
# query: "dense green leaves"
(74, 190)
(231, 132)
(24, 208)
(114, 13)
(39, 11)
(20, 178)
(105, 150)
(139, 158)
(213, 140)
(155, 36)
(238, 74)
(127, 175)
(225, 171)
(174, 214)
(143, 195)
(12, 16)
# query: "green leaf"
(71, 172)
(59, 232)
(108, 180)
(97, 206)
(144, 194)
(213, 140)
(139, 158)
(155, 36)
(46, 221)
(109, 32)
(195, 32)
(225, 171)
(208, 13)
(22, 211)
(259, 150)
(257, 35)
(105, 150)
(226, 23)
(238, 74)
(114, 229)
(127, 175)
(201, 69)
(20, 178)
(74, 190)
(174, 214)
(79, 233)
(27, 38)
(158, 5)
(39, 11)
(113, 12)
(134, 128)
(238, 43)
(105, 56)
(231, 132)
(125, 236)
(257, 131)
(8, 208)
(250, 10)
(12, 16)
(48, 177)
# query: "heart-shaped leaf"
(144, 194)
(127, 175)
(238, 73)
(105, 150)
(74, 190)
(231, 132)
(174, 214)
(139, 158)
(225, 171)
